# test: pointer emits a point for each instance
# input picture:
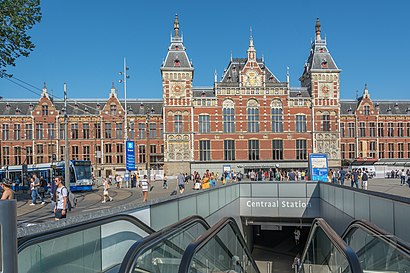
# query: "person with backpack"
(61, 207)
(365, 179)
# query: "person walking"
(145, 187)
(297, 236)
(106, 195)
(61, 206)
(181, 183)
(355, 178)
(296, 263)
(8, 193)
(34, 192)
(42, 189)
(365, 179)
(165, 182)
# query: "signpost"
(318, 167)
(130, 155)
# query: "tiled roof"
(203, 92)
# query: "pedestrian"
(297, 236)
(8, 193)
(34, 192)
(145, 187)
(355, 178)
(402, 174)
(165, 182)
(181, 183)
(365, 179)
(342, 176)
(296, 263)
(61, 206)
(42, 189)
(106, 195)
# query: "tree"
(17, 17)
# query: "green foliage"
(17, 17)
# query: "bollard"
(8, 236)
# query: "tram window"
(72, 176)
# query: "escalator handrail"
(153, 239)
(384, 235)
(202, 240)
(37, 238)
(337, 241)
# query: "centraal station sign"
(277, 204)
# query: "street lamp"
(124, 80)
(147, 122)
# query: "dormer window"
(176, 48)
(8, 106)
(396, 105)
(321, 50)
(177, 63)
(389, 110)
(408, 110)
(76, 105)
(31, 106)
(203, 94)
(18, 111)
(44, 110)
(271, 78)
(324, 63)
(229, 78)
(86, 109)
(98, 105)
(130, 110)
(234, 68)
(299, 94)
(350, 110)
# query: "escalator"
(377, 250)
(162, 251)
(98, 245)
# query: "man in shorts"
(60, 208)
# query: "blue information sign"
(130, 155)
(318, 167)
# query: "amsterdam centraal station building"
(247, 119)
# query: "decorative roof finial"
(176, 26)
(231, 56)
(215, 76)
(318, 30)
(44, 93)
(250, 38)
(366, 91)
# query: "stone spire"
(318, 38)
(251, 50)
(176, 26)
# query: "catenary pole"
(66, 163)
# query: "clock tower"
(177, 75)
(321, 76)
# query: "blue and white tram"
(80, 174)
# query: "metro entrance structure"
(216, 230)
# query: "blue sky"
(84, 43)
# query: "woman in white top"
(106, 187)
(144, 186)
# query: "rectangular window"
(408, 129)
(372, 149)
(343, 150)
(342, 129)
(29, 155)
(253, 149)
(29, 131)
(5, 132)
(108, 159)
(120, 148)
(120, 153)
(161, 130)
(141, 130)
(108, 133)
(362, 129)
(74, 153)
(228, 120)
(351, 129)
(113, 109)
(44, 110)
(86, 130)
(400, 129)
(390, 150)
(39, 130)
(326, 122)
(400, 150)
(74, 131)
(131, 129)
(372, 129)
(17, 155)
(390, 129)
(39, 149)
(277, 149)
(204, 126)
(97, 130)
(17, 132)
(380, 129)
(301, 149)
(366, 110)
(408, 150)
(153, 153)
(229, 149)
(107, 148)
(352, 151)
(6, 156)
(277, 120)
(300, 123)
(152, 130)
(204, 150)
(381, 150)
(141, 154)
(118, 131)
(98, 154)
(86, 153)
(61, 152)
(178, 124)
(253, 120)
(50, 131)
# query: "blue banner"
(130, 155)
(318, 166)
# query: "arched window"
(228, 116)
(252, 110)
(277, 116)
